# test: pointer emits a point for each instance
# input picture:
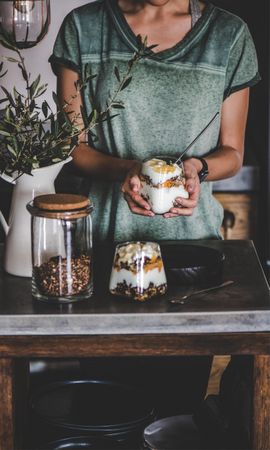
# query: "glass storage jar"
(61, 247)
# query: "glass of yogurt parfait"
(162, 181)
(138, 271)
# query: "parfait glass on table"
(138, 271)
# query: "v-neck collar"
(178, 49)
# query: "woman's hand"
(187, 205)
(131, 189)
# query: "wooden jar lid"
(61, 202)
(60, 206)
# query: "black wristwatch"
(204, 170)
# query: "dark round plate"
(81, 442)
(91, 405)
(193, 264)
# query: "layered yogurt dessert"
(138, 271)
(162, 180)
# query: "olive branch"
(33, 136)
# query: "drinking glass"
(138, 271)
(162, 181)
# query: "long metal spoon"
(196, 138)
(182, 300)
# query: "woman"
(204, 63)
(194, 73)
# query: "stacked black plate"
(81, 442)
(96, 409)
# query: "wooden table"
(235, 320)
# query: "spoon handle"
(196, 138)
(202, 291)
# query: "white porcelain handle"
(7, 178)
(4, 223)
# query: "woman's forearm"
(228, 158)
(224, 163)
(101, 165)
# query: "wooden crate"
(243, 208)
(240, 222)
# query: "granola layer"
(124, 289)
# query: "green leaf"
(117, 74)
(65, 147)
(52, 123)
(94, 137)
(45, 108)
(3, 74)
(6, 44)
(41, 89)
(34, 85)
(87, 71)
(32, 106)
(47, 135)
(77, 84)
(139, 40)
(91, 77)
(55, 99)
(84, 116)
(13, 60)
(56, 127)
(114, 115)
(41, 93)
(7, 113)
(118, 106)
(126, 83)
(4, 133)
(12, 117)
(9, 96)
(24, 73)
(11, 149)
(67, 120)
(92, 116)
(74, 141)
(15, 94)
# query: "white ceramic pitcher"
(17, 258)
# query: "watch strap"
(202, 174)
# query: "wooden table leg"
(13, 394)
(21, 392)
(7, 405)
(261, 403)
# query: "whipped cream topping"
(160, 171)
(129, 253)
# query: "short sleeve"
(242, 68)
(66, 50)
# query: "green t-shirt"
(172, 96)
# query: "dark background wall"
(257, 152)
